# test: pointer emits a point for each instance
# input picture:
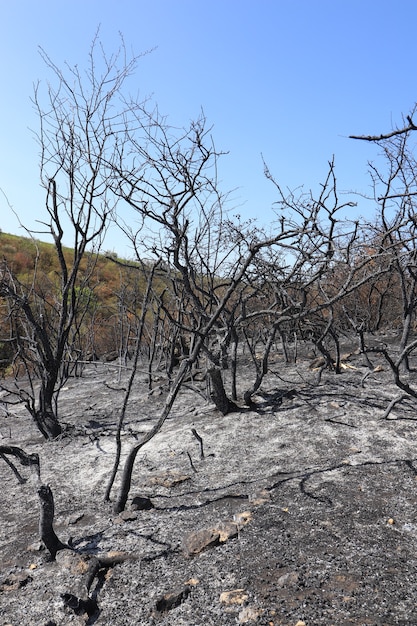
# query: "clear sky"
(289, 79)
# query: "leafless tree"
(216, 272)
(211, 268)
(319, 260)
(140, 324)
(170, 181)
(82, 125)
(395, 192)
(205, 329)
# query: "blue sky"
(289, 79)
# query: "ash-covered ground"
(302, 511)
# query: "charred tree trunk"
(336, 341)
(218, 393)
(46, 529)
(184, 369)
(284, 344)
(363, 349)
(45, 417)
(261, 369)
(47, 423)
(407, 324)
(326, 354)
(233, 363)
(131, 457)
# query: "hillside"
(110, 285)
(24, 254)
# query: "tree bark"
(46, 529)
(218, 393)
(46, 419)
(48, 424)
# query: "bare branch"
(394, 133)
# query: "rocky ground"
(302, 511)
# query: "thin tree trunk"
(363, 350)
(130, 461)
(120, 424)
(405, 365)
(145, 305)
(261, 369)
(337, 362)
(284, 344)
(233, 363)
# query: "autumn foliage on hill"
(111, 291)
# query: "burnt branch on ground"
(27, 460)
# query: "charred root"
(80, 606)
(82, 599)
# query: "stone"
(249, 614)
(235, 596)
(74, 563)
(36, 546)
(199, 540)
(288, 579)
(141, 503)
(241, 519)
(128, 516)
(227, 530)
(172, 599)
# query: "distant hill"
(115, 285)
